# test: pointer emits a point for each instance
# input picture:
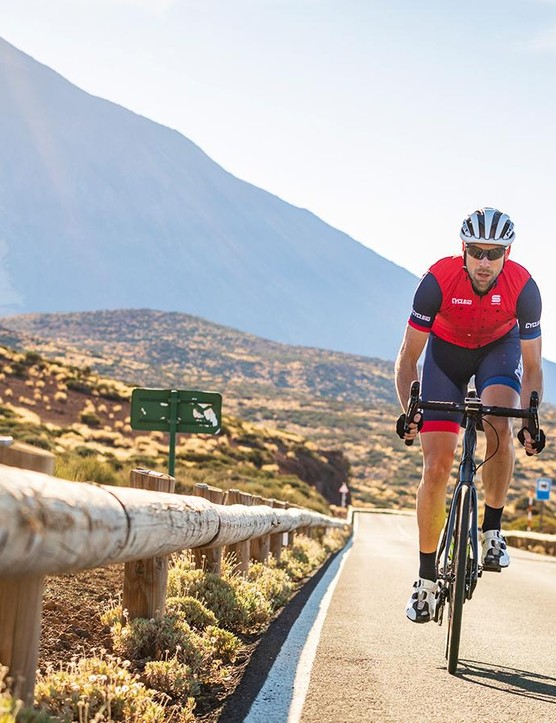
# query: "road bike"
(458, 557)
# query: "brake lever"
(412, 409)
(533, 425)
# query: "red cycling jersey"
(446, 304)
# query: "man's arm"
(531, 354)
(406, 363)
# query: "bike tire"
(458, 586)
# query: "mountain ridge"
(157, 347)
(104, 208)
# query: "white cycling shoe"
(421, 606)
(495, 551)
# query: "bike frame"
(459, 568)
(466, 477)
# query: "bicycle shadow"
(523, 683)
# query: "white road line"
(281, 698)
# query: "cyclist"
(478, 314)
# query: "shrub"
(194, 612)
(299, 560)
(32, 358)
(9, 707)
(334, 539)
(273, 582)
(174, 678)
(78, 386)
(156, 639)
(102, 689)
(236, 602)
(221, 645)
(36, 441)
(87, 469)
(19, 370)
(90, 419)
(84, 451)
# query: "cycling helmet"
(488, 226)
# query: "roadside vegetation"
(183, 664)
(95, 664)
(287, 443)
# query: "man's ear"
(507, 252)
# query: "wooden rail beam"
(50, 526)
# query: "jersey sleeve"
(529, 308)
(426, 303)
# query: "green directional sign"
(173, 410)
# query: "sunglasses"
(490, 254)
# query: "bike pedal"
(487, 568)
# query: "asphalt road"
(372, 664)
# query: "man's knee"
(499, 433)
(436, 470)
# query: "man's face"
(483, 272)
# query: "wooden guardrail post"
(291, 533)
(276, 539)
(21, 597)
(240, 550)
(145, 581)
(260, 546)
(26, 456)
(209, 558)
(20, 632)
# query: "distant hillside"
(102, 208)
(341, 403)
(156, 348)
(85, 420)
(338, 401)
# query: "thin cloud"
(156, 5)
(543, 42)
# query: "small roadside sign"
(185, 410)
(175, 410)
(544, 485)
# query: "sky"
(389, 119)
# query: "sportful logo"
(496, 299)
(467, 302)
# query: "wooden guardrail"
(529, 540)
(50, 526)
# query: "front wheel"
(458, 585)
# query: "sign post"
(344, 489)
(173, 411)
(530, 500)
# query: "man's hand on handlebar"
(409, 432)
(531, 447)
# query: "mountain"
(102, 208)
